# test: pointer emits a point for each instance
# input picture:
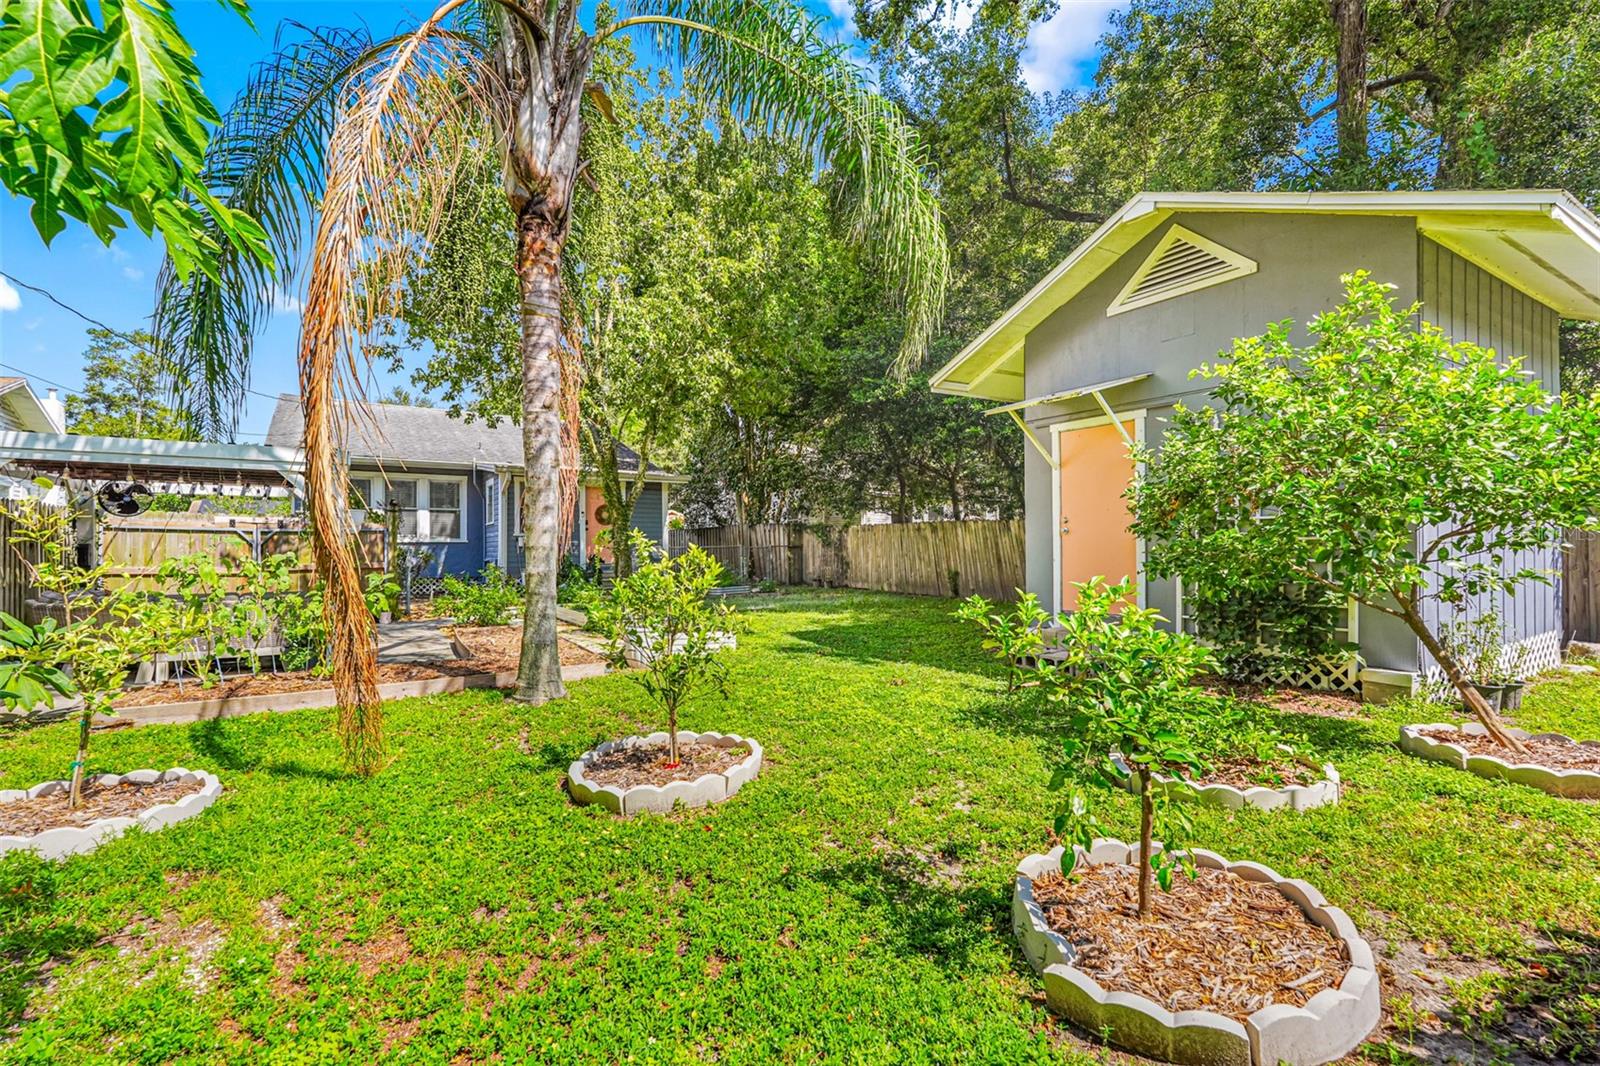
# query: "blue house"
(459, 484)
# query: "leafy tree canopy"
(102, 119)
(1382, 461)
(124, 383)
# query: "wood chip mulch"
(1553, 754)
(1243, 772)
(1218, 943)
(494, 649)
(500, 647)
(29, 816)
(1299, 700)
(646, 764)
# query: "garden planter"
(1505, 765)
(708, 788)
(1322, 793)
(1330, 1024)
(1511, 696)
(639, 657)
(1493, 694)
(62, 841)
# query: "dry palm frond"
(571, 355)
(407, 124)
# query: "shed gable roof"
(1542, 242)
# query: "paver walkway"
(416, 642)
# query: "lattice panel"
(1542, 652)
(1329, 673)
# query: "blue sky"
(116, 285)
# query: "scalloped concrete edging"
(1572, 784)
(661, 799)
(1324, 793)
(1328, 1027)
(62, 841)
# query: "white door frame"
(1137, 417)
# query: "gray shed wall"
(1300, 260)
(1470, 304)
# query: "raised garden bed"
(39, 819)
(1554, 762)
(1251, 968)
(1235, 792)
(628, 776)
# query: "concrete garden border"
(314, 698)
(62, 841)
(1323, 793)
(703, 790)
(1573, 784)
(1335, 1020)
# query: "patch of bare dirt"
(1554, 754)
(647, 764)
(195, 943)
(29, 816)
(388, 949)
(1216, 943)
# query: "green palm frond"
(266, 161)
(769, 60)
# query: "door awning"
(1097, 390)
(1068, 394)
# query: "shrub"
(1129, 686)
(487, 601)
(660, 616)
(1013, 635)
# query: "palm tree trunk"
(539, 243)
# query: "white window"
(430, 508)
(361, 494)
(491, 497)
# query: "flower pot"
(1493, 695)
(1511, 696)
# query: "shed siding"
(8, 416)
(1300, 261)
(1470, 304)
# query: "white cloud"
(133, 273)
(284, 302)
(10, 298)
(1057, 49)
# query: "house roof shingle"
(426, 436)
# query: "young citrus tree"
(1383, 461)
(1015, 636)
(660, 618)
(89, 653)
(1129, 685)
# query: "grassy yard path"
(852, 904)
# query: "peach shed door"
(1092, 516)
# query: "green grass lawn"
(850, 904)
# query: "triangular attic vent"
(1182, 261)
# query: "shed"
(1090, 358)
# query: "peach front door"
(1093, 523)
(593, 501)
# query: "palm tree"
(368, 137)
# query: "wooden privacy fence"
(13, 573)
(1580, 587)
(921, 558)
(136, 547)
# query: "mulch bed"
(500, 647)
(495, 649)
(1217, 943)
(1554, 754)
(1299, 700)
(29, 816)
(1243, 772)
(646, 764)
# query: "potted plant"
(661, 621)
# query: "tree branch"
(1015, 194)
(1420, 74)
